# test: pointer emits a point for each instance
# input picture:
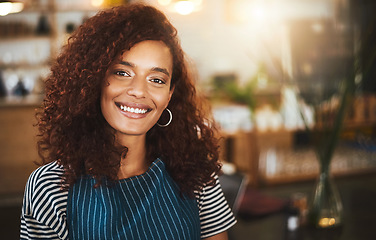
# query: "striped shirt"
(45, 204)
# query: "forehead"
(147, 55)
(148, 49)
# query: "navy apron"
(148, 206)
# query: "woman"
(127, 151)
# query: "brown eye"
(158, 81)
(122, 73)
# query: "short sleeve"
(44, 205)
(215, 213)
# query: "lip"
(141, 110)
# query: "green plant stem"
(326, 149)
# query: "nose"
(137, 87)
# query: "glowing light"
(327, 222)
(5, 8)
(17, 7)
(196, 2)
(97, 3)
(307, 68)
(8, 7)
(184, 7)
(164, 2)
(258, 13)
(317, 27)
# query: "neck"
(135, 162)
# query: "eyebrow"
(155, 69)
(127, 64)
(162, 70)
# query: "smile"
(133, 110)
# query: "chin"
(131, 132)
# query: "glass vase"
(326, 206)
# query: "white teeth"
(133, 110)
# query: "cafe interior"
(292, 89)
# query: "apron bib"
(148, 206)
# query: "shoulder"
(216, 215)
(44, 191)
(45, 202)
(49, 171)
(209, 193)
(43, 178)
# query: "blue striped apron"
(148, 206)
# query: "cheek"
(109, 91)
(106, 99)
(163, 100)
(104, 106)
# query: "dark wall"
(364, 17)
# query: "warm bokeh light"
(317, 27)
(8, 7)
(164, 2)
(5, 8)
(184, 7)
(196, 2)
(97, 3)
(258, 12)
(327, 222)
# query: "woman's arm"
(216, 216)
(220, 236)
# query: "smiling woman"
(137, 89)
(113, 168)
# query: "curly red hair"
(72, 129)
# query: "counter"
(358, 195)
(18, 150)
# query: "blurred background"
(276, 73)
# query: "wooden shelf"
(270, 158)
(15, 101)
(25, 65)
(26, 38)
(285, 179)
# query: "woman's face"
(136, 89)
